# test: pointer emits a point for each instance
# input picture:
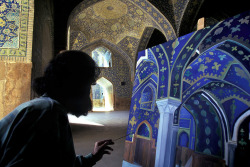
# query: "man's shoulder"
(28, 112)
(38, 104)
(42, 108)
(36, 108)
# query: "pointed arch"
(221, 114)
(219, 117)
(102, 56)
(147, 125)
(188, 18)
(148, 97)
(221, 63)
(103, 95)
(238, 123)
(111, 46)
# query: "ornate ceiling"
(119, 22)
(112, 20)
(127, 24)
(172, 17)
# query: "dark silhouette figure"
(37, 133)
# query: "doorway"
(102, 95)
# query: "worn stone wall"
(16, 31)
(14, 85)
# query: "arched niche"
(103, 95)
(102, 56)
(187, 125)
(183, 139)
(144, 131)
(209, 127)
(143, 145)
(206, 141)
(148, 98)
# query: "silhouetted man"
(37, 133)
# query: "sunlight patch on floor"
(82, 120)
(102, 109)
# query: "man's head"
(68, 79)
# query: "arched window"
(147, 98)
(102, 57)
(183, 139)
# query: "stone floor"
(99, 126)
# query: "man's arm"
(87, 161)
(101, 148)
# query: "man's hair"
(68, 70)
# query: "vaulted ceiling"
(112, 20)
(182, 15)
(123, 25)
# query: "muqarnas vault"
(190, 100)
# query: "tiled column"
(165, 141)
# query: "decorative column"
(172, 155)
(167, 134)
(231, 152)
